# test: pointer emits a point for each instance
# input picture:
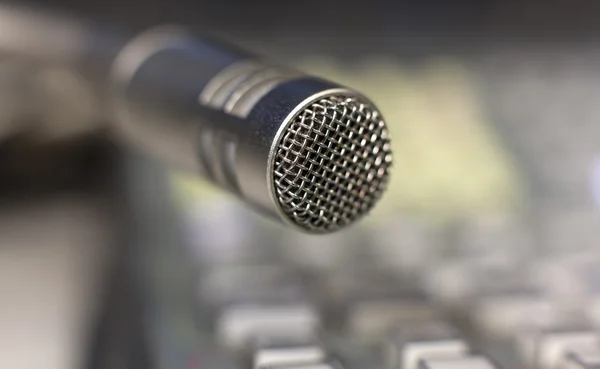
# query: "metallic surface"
(207, 107)
(221, 112)
(332, 163)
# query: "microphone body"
(301, 149)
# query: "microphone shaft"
(304, 150)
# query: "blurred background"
(490, 224)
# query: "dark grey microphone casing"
(307, 151)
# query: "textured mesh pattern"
(332, 163)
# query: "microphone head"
(323, 151)
(331, 163)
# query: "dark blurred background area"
(529, 19)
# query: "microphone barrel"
(306, 151)
(301, 149)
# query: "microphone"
(307, 151)
(301, 149)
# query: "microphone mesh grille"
(332, 163)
